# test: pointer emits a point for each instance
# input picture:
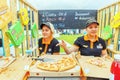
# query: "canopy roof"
(70, 4)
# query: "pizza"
(97, 61)
(65, 63)
(47, 66)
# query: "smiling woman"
(47, 44)
(89, 44)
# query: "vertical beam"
(107, 15)
(36, 18)
(103, 20)
(36, 21)
(3, 6)
(13, 9)
(107, 21)
(98, 19)
(119, 7)
(32, 39)
(6, 41)
(27, 34)
(117, 30)
(100, 26)
(112, 15)
(23, 43)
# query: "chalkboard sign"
(67, 19)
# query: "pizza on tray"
(65, 63)
(97, 61)
(47, 66)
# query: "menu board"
(67, 19)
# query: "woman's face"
(46, 32)
(92, 29)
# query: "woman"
(47, 44)
(90, 44)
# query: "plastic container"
(115, 68)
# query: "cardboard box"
(91, 70)
(34, 71)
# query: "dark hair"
(45, 24)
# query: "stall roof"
(70, 4)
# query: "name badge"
(99, 46)
(40, 48)
(49, 49)
(85, 46)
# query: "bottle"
(115, 68)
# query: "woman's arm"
(73, 48)
(104, 53)
(56, 53)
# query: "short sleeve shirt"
(85, 49)
(52, 48)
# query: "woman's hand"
(104, 53)
(62, 44)
(68, 50)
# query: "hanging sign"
(34, 30)
(115, 22)
(23, 14)
(106, 33)
(16, 33)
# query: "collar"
(86, 38)
(47, 41)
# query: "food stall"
(24, 67)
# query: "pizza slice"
(47, 66)
(97, 61)
(66, 64)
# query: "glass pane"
(1, 44)
(119, 41)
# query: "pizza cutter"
(44, 59)
(40, 59)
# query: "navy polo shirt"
(85, 46)
(52, 48)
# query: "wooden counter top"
(15, 71)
